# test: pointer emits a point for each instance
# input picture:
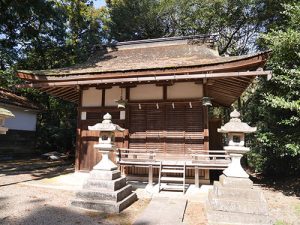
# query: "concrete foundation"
(105, 191)
(235, 201)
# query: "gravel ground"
(285, 210)
(21, 204)
(283, 197)
(24, 204)
(27, 205)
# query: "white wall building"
(20, 137)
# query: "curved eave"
(226, 81)
(244, 63)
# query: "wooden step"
(173, 167)
(176, 179)
(167, 176)
(172, 171)
(178, 187)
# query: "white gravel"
(27, 205)
(21, 203)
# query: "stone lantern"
(233, 199)
(236, 131)
(105, 190)
(4, 114)
(106, 142)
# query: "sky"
(99, 3)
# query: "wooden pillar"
(78, 132)
(150, 176)
(103, 98)
(205, 125)
(196, 176)
(123, 170)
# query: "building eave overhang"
(139, 79)
(229, 79)
(244, 63)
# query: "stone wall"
(17, 143)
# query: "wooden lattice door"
(171, 129)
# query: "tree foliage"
(134, 20)
(39, 34)
(275, 106)
(237, 23)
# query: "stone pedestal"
(233, 200)
(105, 191)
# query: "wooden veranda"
(195, 160)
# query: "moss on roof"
(151, 54)
(143, 57)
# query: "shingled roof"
(137, 56)
(154, 60)
(9, 98)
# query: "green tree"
(45, 34)
(237, 23)
(134, 20)
(275, 106)
(86, 28)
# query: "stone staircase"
(171, 177)
(105, 191)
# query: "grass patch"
(280, 222)
(297, 209)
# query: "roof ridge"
(210, 37)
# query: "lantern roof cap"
(106, 125)
(6, 113)
(235, 125)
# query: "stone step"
(105, 206)
(127, 201)
(175, 179)
(115, 196)
(172, 171)
(235, 182)
(236, 218)
(104, 175)
(112, 185)
(237, 205)
(242, 193)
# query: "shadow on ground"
(289, 186)
(53, 215)
(37, 168)
(71, 216)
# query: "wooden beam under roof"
(150, 79)
(68, 94)
(226, 87)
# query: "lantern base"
(105, 163)
(235, 169)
